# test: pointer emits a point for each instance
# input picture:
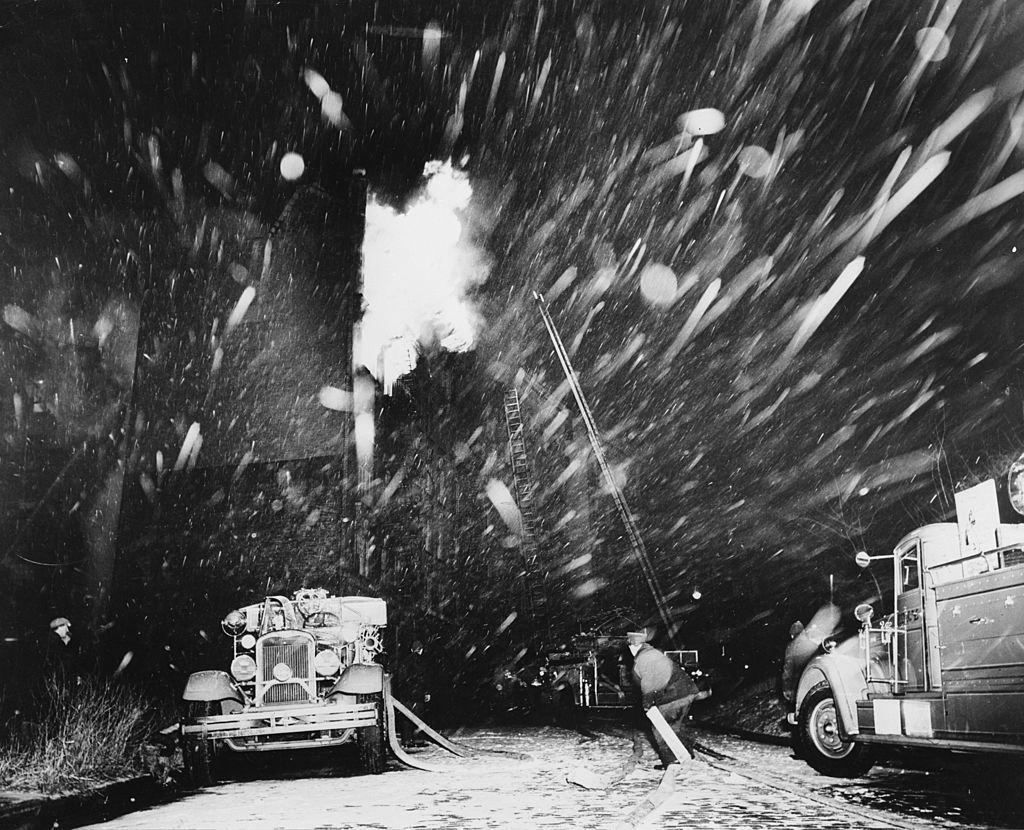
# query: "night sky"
(780, 240)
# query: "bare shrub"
(81, 732)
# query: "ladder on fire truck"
(632, 531)
(523, 482)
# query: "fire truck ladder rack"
(635, 540)
(523, 483)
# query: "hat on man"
(637, 638)
(61, 626)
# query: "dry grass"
(82, 733)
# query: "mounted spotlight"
(864, 612)
(863, 558)
(234, 623)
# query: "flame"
(419, 269)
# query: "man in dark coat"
(664, 684)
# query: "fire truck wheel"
(820, 741)
(371, 739)
(199, 754)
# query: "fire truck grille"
(297, 654)
(285, 693)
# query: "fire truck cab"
(945, 669)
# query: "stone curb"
(29, 811)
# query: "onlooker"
(61, 626)
(62, 655)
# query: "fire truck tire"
(199, 754)
(372, 757)
(820, 741)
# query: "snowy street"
(734, 784)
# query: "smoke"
(421, 265)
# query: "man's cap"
(60, 622)
(636, 638)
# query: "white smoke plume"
(420, 266)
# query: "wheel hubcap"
(825, 731)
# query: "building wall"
(265, 490)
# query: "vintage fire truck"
(593, 674)
(945, 668)
(303, 674)
(590, 673)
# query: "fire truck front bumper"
(284, 727)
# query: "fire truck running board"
(941, 743)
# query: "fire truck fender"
(360, 679)
(211, 685)
(845, 676)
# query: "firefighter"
(663, 684)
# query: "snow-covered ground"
(735, 784)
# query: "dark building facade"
(240, 479)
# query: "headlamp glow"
(243, 667)
(326, 662)
(247, 641)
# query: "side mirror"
(864, 612)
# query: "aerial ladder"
(636, 542)
(523, 483)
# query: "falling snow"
(780, 242)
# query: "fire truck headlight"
(234, 623)
(243, 667)
(350, 632)
(248, 642)
(327, 663)
(282, 672)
